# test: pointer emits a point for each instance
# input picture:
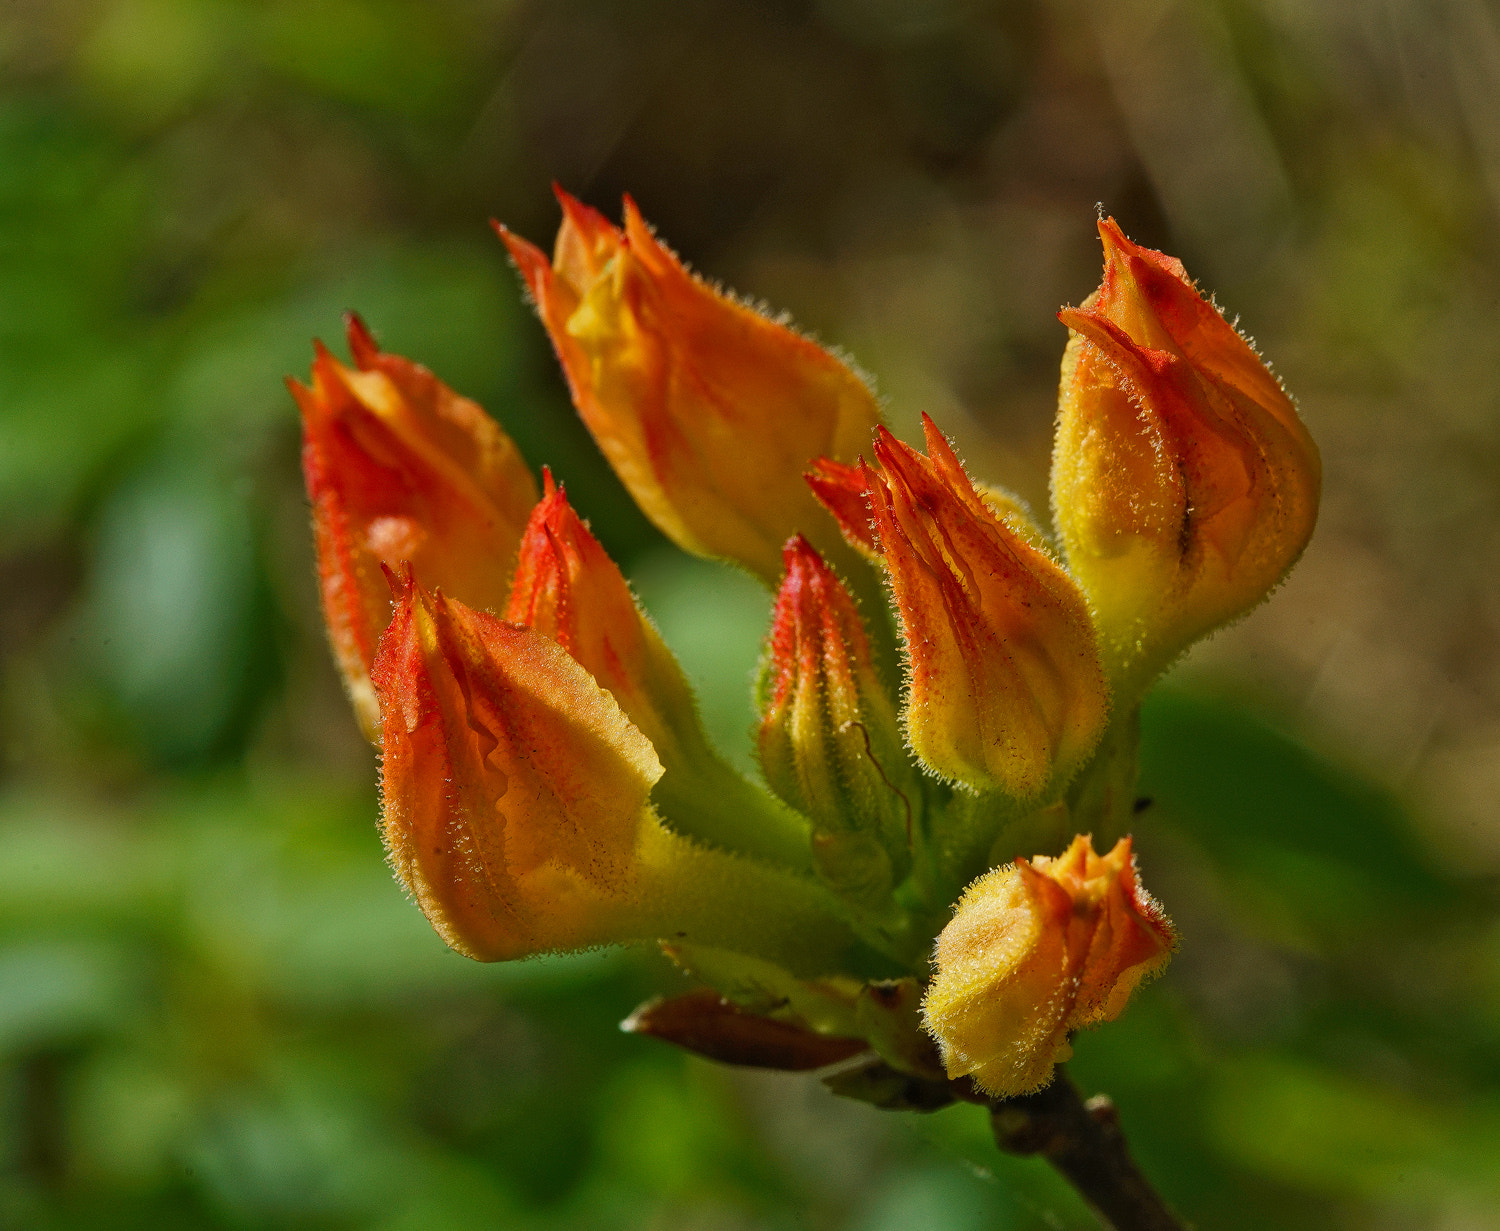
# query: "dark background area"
(216, 1010)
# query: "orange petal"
(1035, 951)
(1005, 687)
(514, 788)
(400, 468)
(841, 490)
(568, 588)
(586, 242)
(709, 411)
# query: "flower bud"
(708, 410)
(1036, 950)
(828, 739)
(568, 588)
(1005, 691)
(1184, 484)
(514, 788)
(515, 807)
(400, 468)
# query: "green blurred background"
(217, 1010)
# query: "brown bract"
(1004, 686)
(514, 788)
(400, 468)
(1183, 482)
(1036, 950)
(708, 410)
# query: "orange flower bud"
(1036, 950)
(1005, 689)
(568, 588)
(401, 468)
(829, 744)
(708, 410)
(1185, 485)
(516, 812)
(514, 788)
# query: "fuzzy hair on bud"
(1036, 950)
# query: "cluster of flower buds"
(547, 782)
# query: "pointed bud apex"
(514, 788)
(708, 410)
(829, 744)
(568, 588)
(1184, 484)
(1035, 951)
(1005, 691)
(400, 468)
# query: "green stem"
(707, 799)
(691, 894)
(1102, 798)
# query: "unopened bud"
(1036, 950)
(1005, 688)
(1184, 484)
(828, 739)
(515, 791)
(708, 410)
(399, 469)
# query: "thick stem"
(1084, 1142)
(686, 893)
(1102, 798)
(703, 797)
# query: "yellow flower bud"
(1036, 950)
(1183, 482)
(1005, 690)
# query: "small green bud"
(829, 742)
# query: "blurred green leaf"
(715, 619)
(1313, 852)
(54, 991)
(1324, 1131)
(393, 54)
